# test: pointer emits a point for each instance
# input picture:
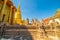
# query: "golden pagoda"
(57, 15)
(18, 17)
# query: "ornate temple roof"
(58, 9)
(9, 3)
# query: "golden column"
(10, 17)
(3, 9)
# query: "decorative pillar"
(10, 18)
(3, 9)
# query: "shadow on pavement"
(13, 32)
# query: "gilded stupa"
(57, 14)
(18, 13)
(18, 17)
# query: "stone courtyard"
(17, 32)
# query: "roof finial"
(18, 8)
(58, 9)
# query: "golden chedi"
(18, 17)
(57, 15)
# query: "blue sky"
(37, 8)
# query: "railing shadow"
(13, 32)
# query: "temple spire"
(18, 17)
(18, 10)
(57, 14)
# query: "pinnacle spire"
(18, 13)
(58, 9)
(57, 14)
(18, 10)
